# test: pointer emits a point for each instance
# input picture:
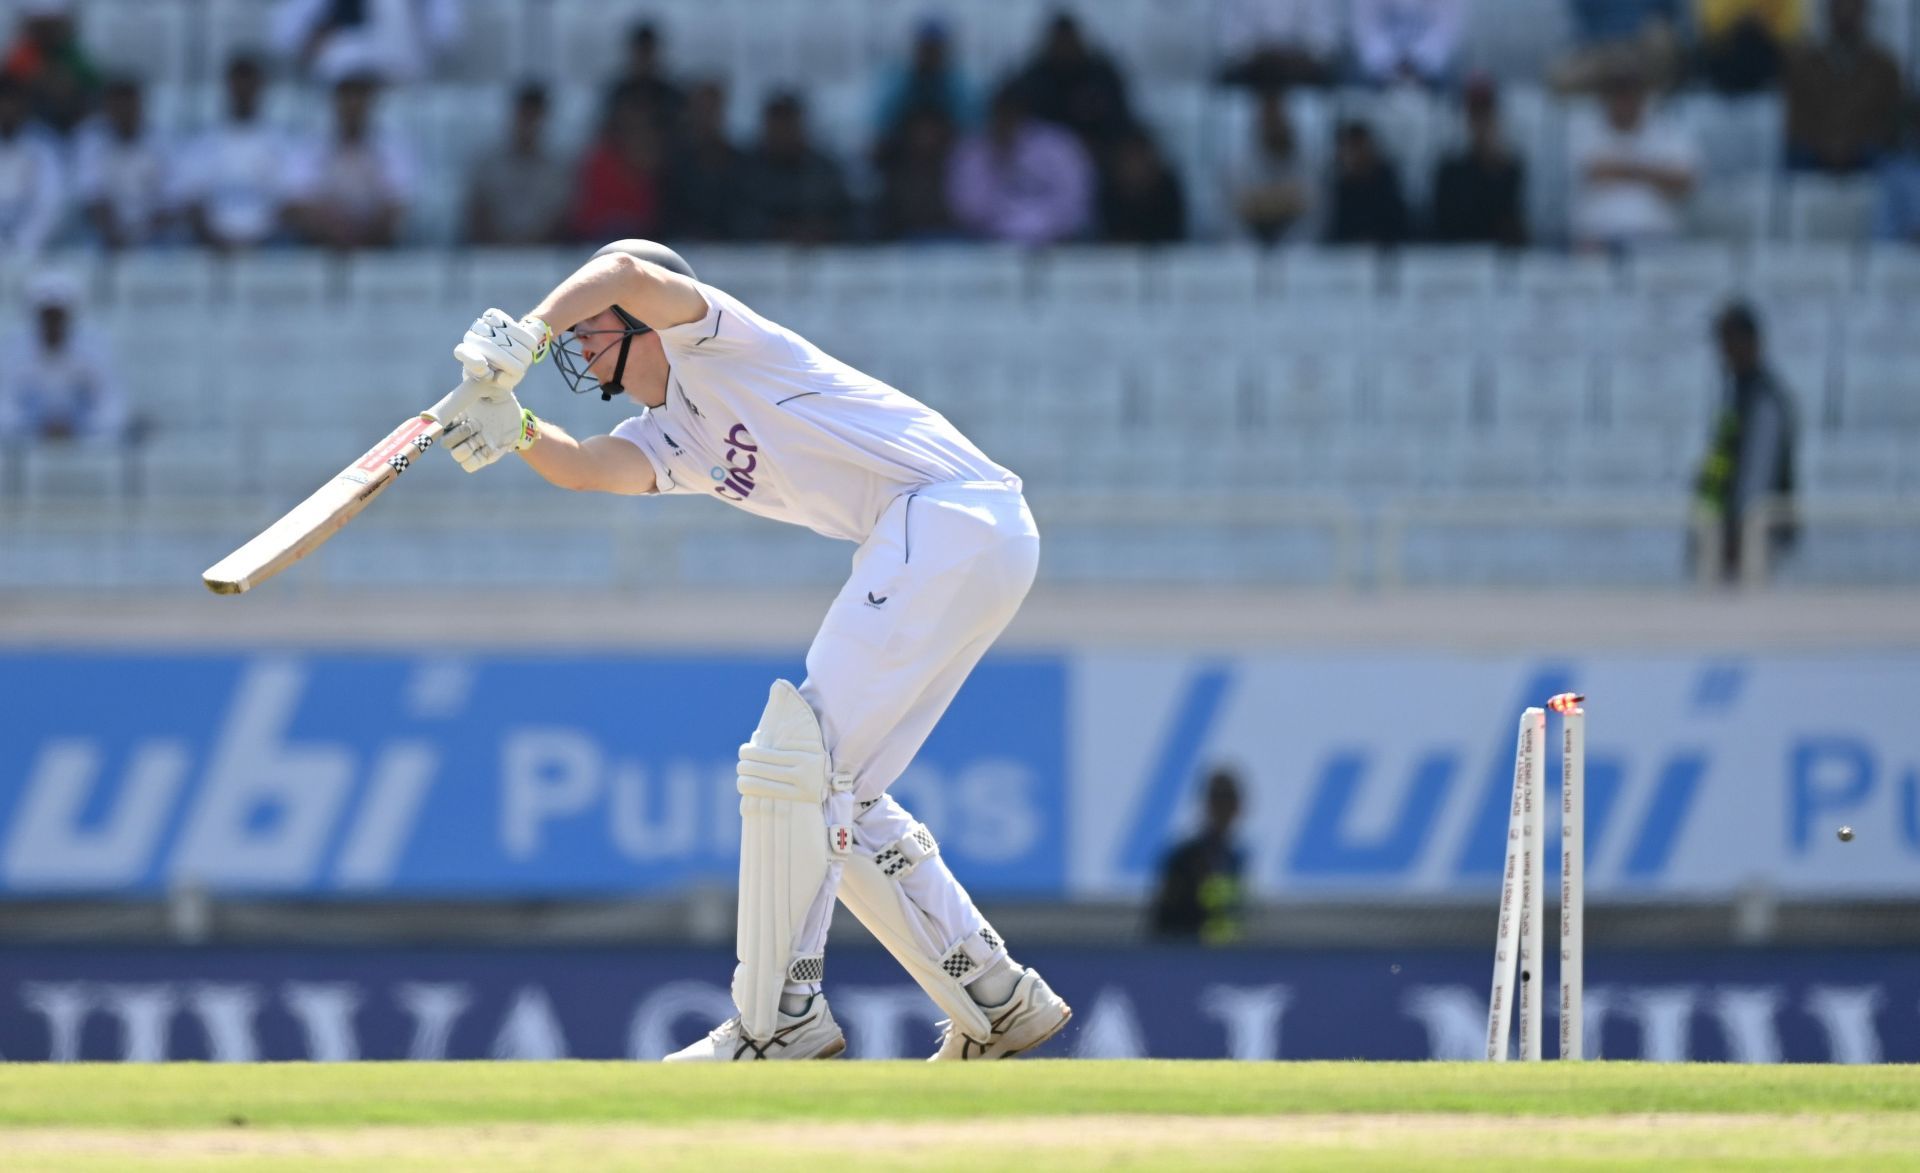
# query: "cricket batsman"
(737, 407)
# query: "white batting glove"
(498, 350)
(492, 426)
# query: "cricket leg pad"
(795, 834)
(898, 886)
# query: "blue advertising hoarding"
(1737, 1005)
(490, 776)
(1368, 774)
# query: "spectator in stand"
(230, 181)
(1749, 459)
(1071, 85)
(33, 187)
(49, 60)
(913, 164)
(793, 192)
(1200, 895)
(1141, 200)
(621, 191)
(704, 185)
(56, 384)
(1843, 97)
(1367, 207)
(1632, 170)
(1478, 192)
(1645, 32)
(120, 171)
(519, 192)
(645, 75)
(388, 40)
(929, 82)
(1021, 179)
(1414, 41)
(1274, 44)
(351, 191)
(1898, 215)
(1743, 43)
(1272, 191)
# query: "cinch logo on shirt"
(736, 479)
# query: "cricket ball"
(1846, 834)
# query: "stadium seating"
(1354, 388)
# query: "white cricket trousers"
(933, 586)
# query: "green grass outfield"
(1047, 1114)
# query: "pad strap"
(905, 853)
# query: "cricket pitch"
(1051, 1114)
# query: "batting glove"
(491, 428)
(498, 350)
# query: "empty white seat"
(415, 278)
(1639, 462)
(1879, 393)
(52, 472)
(182, 464)
(1209, 276)
(1310, 393)
(1819, 208)
(1375, 468)
(160, 278)
(1542, 393)
(1428, 394)
(1092, 276)
(826, 38)
(1448, 273)
(1511, 38)
(1735, 210)
(493, 41)
(1736, 137)
(150, 40)
(1494, 464)
(1206, 397)
(300, 279)
(1891, 272)
(1673, 392)
(848, 275)
(1684, 270)
(1322, 274)
(1817, 271)
(979, 275)
(1849, 466)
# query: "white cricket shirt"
(765, 420)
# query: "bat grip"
(454, 402)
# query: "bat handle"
(455, 402)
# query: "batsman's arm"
(597, 464)
(657, 297)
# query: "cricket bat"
(308, 525)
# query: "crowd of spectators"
(1633, 166)
(1055, 151)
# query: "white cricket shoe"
(1030, 1017)
(811, 1034)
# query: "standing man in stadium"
(737, 407)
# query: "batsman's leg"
(881, 681)
(795, 834)
(905, 895)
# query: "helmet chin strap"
(614, 386)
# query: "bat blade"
(308, 525)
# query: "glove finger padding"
(469, 448)
(499, 349)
